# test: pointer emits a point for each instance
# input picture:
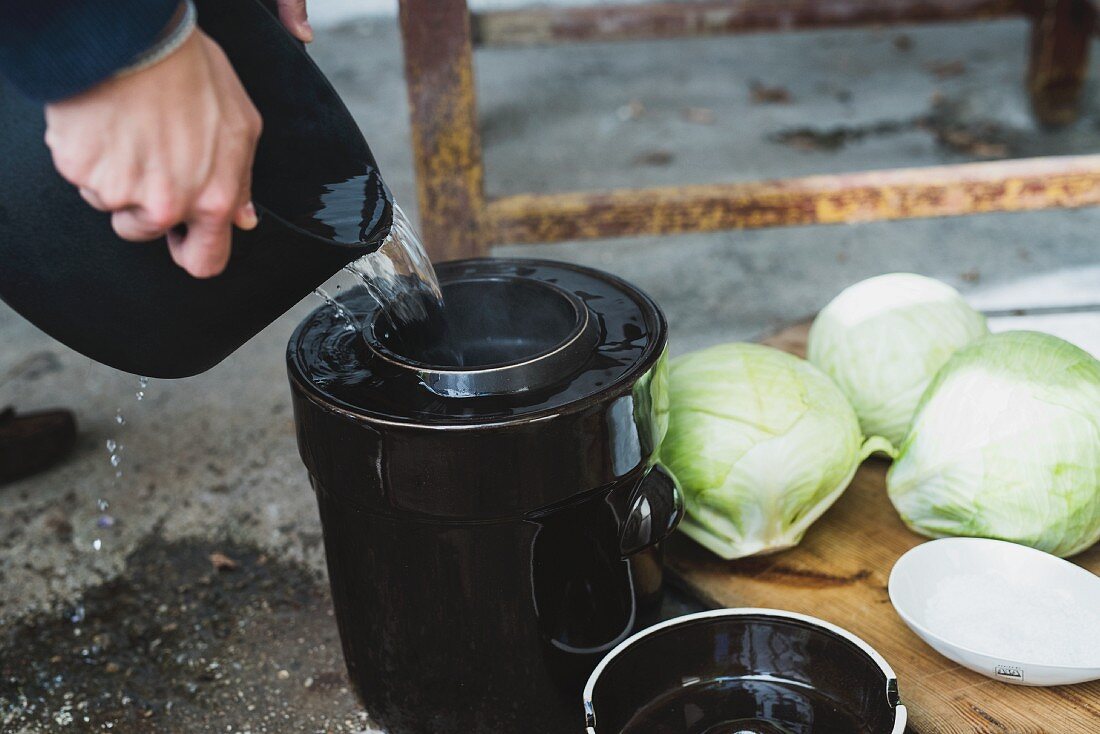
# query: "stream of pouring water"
(399, 275)
(401, 279)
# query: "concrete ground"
(114, 616)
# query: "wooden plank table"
(839, 573)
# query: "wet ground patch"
(194, 636)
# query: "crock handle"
(655, 511)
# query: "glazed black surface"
(337, 363)
(745, 706)
(744, 673)
(126, 304)
(498, 335)
(482, 562)
(488, 322)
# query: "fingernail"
(307, 32)
(250, 219)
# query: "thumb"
(293, 15)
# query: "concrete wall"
(330, 12)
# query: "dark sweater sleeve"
(52, 49)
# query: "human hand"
(169, 144)
(293, 15)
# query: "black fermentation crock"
(744, 671)
(491, 530)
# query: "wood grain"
(839, 573)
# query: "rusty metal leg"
(446, 145)
(1060, 35)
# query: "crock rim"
(655, 351)
(900, 712)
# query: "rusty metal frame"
(458, 220)
(538, 26)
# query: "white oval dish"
(1004, 610)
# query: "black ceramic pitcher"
(127, 304)
(491, 528)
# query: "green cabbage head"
(1006, 444)
(762, 443)
(882, 341)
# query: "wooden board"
(839, 573)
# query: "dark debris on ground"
(193, 636)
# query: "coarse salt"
(1006, 618)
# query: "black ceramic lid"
(587, 335)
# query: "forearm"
(54, 49)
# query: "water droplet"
(119, 419)
(97, 544)
(105, 521)
(140, 394)
(115, 460)
(349, 320)
(112, 445)
(78, 615)
(102, 504)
